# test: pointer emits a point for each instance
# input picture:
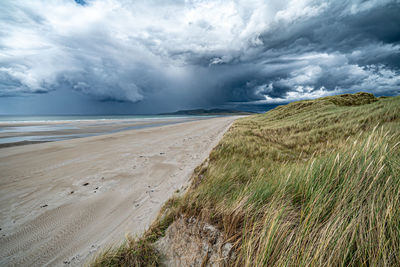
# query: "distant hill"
(210, 112)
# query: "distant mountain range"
(214, 111)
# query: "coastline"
(30, 132)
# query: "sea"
(22, 130)
(71, 118)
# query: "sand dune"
(62, 201)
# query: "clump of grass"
(357, 99)
(131, 253)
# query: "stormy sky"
(149, 56)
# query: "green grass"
(312, 183)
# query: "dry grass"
(307, 184)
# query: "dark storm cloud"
(80, 2)
(200, 53)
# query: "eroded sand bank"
(62, 201)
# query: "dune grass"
(312, 183)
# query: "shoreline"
(39, 132)
(138, 118)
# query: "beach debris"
(162, 153)
(71, 192)
(44, 206)
(96, 188)
(67, 262)
(85, 184)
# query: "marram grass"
(341, 209)
(312, 183)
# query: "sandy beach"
(61, 202)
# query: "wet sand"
(29, 132)
(60, 202)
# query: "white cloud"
(358, 6)
(296, 9)
(301, 93)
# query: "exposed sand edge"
(129, 174)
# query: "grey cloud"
(199, 52)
